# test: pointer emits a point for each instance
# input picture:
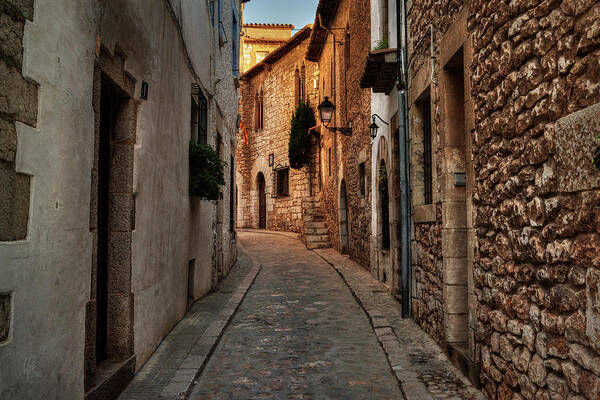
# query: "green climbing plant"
(382, 44)
(206, 172)
(299, 146)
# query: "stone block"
(592, 290)
(121, 212)
(575, 136)
(11, 40)
(455, 271)
(424, 213)
(125, 129)
(120, 325)
(121, 168)
(5, 316)
(455, 299)
(14, 204)
(119, 262)
(456, 327)
(454, 215)
(454, 243)
(8, 141)
(18, 97)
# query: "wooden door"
(262, 202)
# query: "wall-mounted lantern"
(374, 127)
(326, 109)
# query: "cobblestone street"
(299, 334)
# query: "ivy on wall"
(206, 172)
(299, 147)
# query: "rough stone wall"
(535, 70)
(18, 103)
(427, 261)
(352, 104)
(277, 85)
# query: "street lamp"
(374, 127)
(326, 111)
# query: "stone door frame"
(110, 71)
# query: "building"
(102, 248)
(271, 194)
(339, 43)
(258, 40)
(380, 75)
(504, 111)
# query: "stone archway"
(262, 201)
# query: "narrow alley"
(297, 334)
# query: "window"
(347, 50)
(329, 162)
(222, 36)
(362, 179)
(283, 182)
(385, 21)
(303, 84)
(427, 153)
(259, 111)
(232, 188)
(199, 121)
(297, 87)
(235, 46)
(212, 12)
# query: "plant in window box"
(206, 172)
(299, 147)
(382, 44)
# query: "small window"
(235, 50)
(212, 12)
(427, 153)
(303, 84)
(329, 162)
(347, 50)
(297, 87)
(199, 116)
(261, 111)
(283, 182)
(362, 179)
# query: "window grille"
(199, 121)
(427, 153)
(283, 181)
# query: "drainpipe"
(401, 31)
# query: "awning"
(381, 71)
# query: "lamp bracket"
(343, 131)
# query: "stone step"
(317, 238)
(316, 231)
(318, 245)
(316, 225)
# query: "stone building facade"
(504, 111)
(258, 40)
(270, 93)
(339, 43)
(101, 247)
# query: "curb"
(182, 384)
(410, 385)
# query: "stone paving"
(299, 334)
(172, 369)
(419, 363)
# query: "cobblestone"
(299, 334)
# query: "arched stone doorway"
(383, 204)
(343, 218)
(262, 201)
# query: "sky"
(296, 12)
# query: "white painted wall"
(49, 273)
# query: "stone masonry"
(340, 73)
(18, 104)
(275, 78)
(528, 217)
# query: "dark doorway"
(343, 219)
(110, 102)
(262, 202)
(384, 199)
